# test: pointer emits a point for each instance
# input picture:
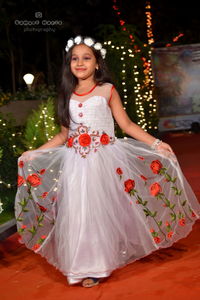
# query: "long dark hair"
(69, 82)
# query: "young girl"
(89, 202)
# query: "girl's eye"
(87, 57)
(74, 58)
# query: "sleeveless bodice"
(92, 111)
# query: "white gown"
(99, 202)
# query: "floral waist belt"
(83, 142)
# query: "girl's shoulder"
(105, 90)
(106, 85)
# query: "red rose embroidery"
(42, 208)
(70, 142)
(119, 171)
(43, 237)
(169, 235)
(129, 185)
(42, 171)
(44, 195)
(182, 222)
(21, 164)
(193, 214)
(35, 247)
(141, 157)
(23, 227)
(143, 177)
(104, 139)
(157, 239)
(152, 230)
(20, 180)
(155, 189)
(84, 139)
(34, 180)
(156, 166)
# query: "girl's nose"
(79, 62)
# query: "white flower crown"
(87, 41)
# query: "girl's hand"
(164, 146)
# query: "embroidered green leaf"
(40, 218)
(172, 206)
(159, 223)
(167, 202)
(25, 209)
(174, 188)
(145, 203)
(23, 202)
(168, 228)
(32, 229)
(154, 214)
(180, 215)
(162, 171)
(173, 216)
(146, 212)
(174, 179)
(160, 196)
(179, 192)
(154, 234)
(168, 177)
(19, 219)
(40, 241)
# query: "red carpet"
(172, 273)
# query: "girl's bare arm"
(130, 127)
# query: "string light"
(46, 121)
(12, 138)
(137, 86)
(143, 89)
(175, 39)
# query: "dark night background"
(37, 52)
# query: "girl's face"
(83, 62)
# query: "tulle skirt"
(89, 216)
